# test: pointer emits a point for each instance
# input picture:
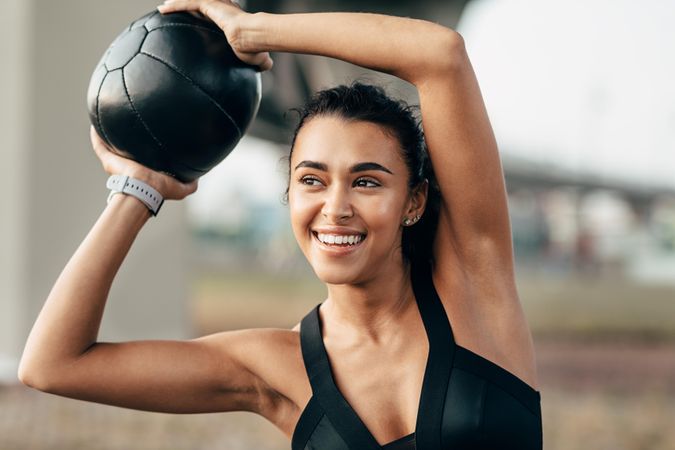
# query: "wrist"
(149, 178)
(249, 33)
(146, 194)
(129, 205)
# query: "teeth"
(339, 239)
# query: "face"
(348, 194)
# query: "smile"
(339, 240)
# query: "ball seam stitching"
(202, 90)
(98, 109)
(187, 25)
(138, 115)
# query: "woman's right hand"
(113, 164)
(225, 14)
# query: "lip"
(335, 250)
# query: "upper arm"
(474, 224)
(210, 374)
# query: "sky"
(585, 84)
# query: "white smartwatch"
(131, 186)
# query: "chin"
(330, 274)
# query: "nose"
(337, 205)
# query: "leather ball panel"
(171, 94)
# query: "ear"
(418, 199)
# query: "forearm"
(403, 47)
(70, 319)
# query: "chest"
(458, 400)
(384, 387)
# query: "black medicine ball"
(171, 94)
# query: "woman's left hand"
(114, 164)
(226, 14)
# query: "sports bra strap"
(441, 355)
(431, 308)
(341, 415)
(436, 377)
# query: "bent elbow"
(453, 51)
(447, 57)
(28, 376)
(35, 377)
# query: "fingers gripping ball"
(170, 94)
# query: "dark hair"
(369, 103)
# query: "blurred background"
(581, 98)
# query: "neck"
(371, 308)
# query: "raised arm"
(473, 247)
(62, 354)
(474, 229)
(474, 225)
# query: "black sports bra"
(467, 402)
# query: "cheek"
(387, 210)
(378, 217)
(383, 216)
(302, 210)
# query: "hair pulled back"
(369, 103)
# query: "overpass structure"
(521, 173)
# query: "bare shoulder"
(274, 356)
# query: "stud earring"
(407, 221)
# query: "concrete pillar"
(15, 45)
(53, 186)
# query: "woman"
(404, 253)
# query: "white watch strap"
(137, 188)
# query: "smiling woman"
(349, 175)
(359, 180)
(388, 121)
(421, 342)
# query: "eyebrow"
(360, 167)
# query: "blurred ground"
(573, 306)
(605, 351)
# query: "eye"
(309, 180)
(366, 182)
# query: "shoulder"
(274, 356)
